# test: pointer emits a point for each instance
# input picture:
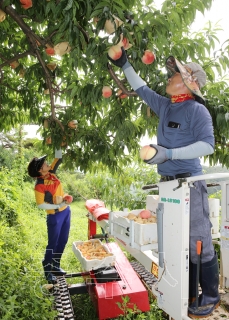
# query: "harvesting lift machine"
(161, 252)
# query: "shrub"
(21, 296)
(10, 194)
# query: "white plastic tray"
(94, 264)
(143, 233)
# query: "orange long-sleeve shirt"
(48, 187)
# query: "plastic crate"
(143, 233)
(93, 264)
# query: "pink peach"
(115, 52)
(106, 92)
(148, 57)
(147, 152)
(121, 95)
(145, 214)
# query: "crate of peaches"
(145, 225)
(92, 254)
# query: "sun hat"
(35, 165)
(193, 75)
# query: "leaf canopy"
(33, 91)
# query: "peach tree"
(54, 72)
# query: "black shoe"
(51, 278)
(209, 299)
(48, 274)
(58, 271)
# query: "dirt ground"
(222, 312)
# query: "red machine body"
(106, 295)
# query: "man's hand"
(68, 199)
(121, 61)
(160, 155)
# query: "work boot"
(192, 281)
(56, 269)
(47, 270)
(209, 299)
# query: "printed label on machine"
(170, 200)
(154, 269)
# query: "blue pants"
(58, 226)
(200, 224)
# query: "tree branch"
(120, 83)
(17, 57)
(25, 28)
(33, 40)
(86, 37)
(9, 87)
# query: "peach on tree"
(26, 4)
(121, 95)
(50, 51)
(62, 48)
(2, 15)
(46, 123)
(51, 66)
(111, 26)
(148, 57)
(21, 73)
(14, 64)
(106, 92)
(73, 124)
(48, 140)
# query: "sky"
(217, 13)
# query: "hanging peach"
(95, 20)
(62, 48)
(48, 140)
(51, 66)
(106, 92)
(50, 51)
(73, 124)
(148, 57)
(14, 64)
(26, 4)
(2, 15)
(21, 73)
(111, 26)
(46, 123)
(121, 95)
